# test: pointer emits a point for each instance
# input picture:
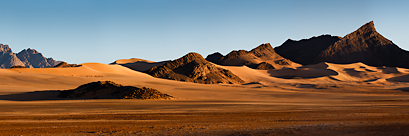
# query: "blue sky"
(79, 31)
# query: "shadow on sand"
(32, 96)
(404, 89)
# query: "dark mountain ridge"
(364, 45)
(305, 51)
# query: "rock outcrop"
(262, 53)
(194, 68)
(111, 90)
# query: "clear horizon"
(80, 31)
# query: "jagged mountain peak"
(5, 48)
(368, 27)
(30, 58)
(30, 51)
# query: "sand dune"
(131, 60)
(140, 65)
(329, 88)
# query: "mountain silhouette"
(364, 45)
(306, 51)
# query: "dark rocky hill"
(364, 45)
(263, 53)
(194, 68)
(111, 90)
(368, 46)
(305, 51)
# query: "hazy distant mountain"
(8, 59)
(261, 57)
(28, 57)
(194, 68)
(363, 45)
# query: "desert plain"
(320, 99)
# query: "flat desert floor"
(356, 100)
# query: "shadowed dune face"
(404, 78)
(142, 66)
(310, 71)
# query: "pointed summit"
(265, 46)
(4, 48)
(365, 45)
(370, 26)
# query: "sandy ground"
(323, 99)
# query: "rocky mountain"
(194, 68)
(8, 59)
(33, 59)
(28, 57)
(364, 45)
(305, 51)
(263, 55)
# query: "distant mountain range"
(29, 58)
